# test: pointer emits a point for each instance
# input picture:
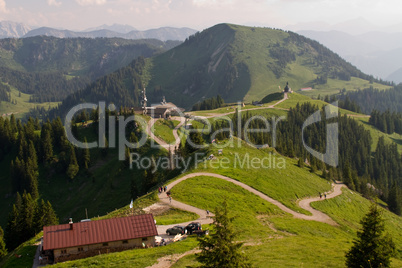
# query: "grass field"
(273, 238)
(336, 86)
(26, 251)
(376, 134)
(175, 216)
(23, 105)
(172, 216)
(164, 129)
(295, 98)
(133, 258)
(276, 176)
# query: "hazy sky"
(197, 14)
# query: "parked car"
(194, 226)
(176, 230)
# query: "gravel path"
(304, 203)
(167, 261)
(285, 97)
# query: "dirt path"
(167, 261)
(166, 145)
(358, 115)
(304, 203)
(206, 219)
(285, 97)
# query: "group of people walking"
(162, 189)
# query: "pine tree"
(46, 144)
(13, 228)
(394, 200)
(3, 249)
(26, 216)
(371, 248)
(347, 176)
(151, 177)
(44, 216)
(105, 150)
(219, 249)
(73, 167)
(300, 162)
(50, 215)
(197, 141)
(86, 156)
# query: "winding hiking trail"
(166, 145)
(167, 261)
(206, 219)
(304, 203)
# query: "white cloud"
(212, 3)
(90, 2)
(53, 3)
(3, 7)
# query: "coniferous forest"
(380, 100)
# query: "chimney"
(71, 224)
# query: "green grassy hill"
(22, 105)
(271, 237)
(247, 63)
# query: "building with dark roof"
(287, 88)
(85, 239)
(162, 110)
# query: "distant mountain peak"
(119, 28)
(13, 29)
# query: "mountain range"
(163, 34)
(376, 53)
(353, 27)
(237, 62)
(120, 28)
(19, 30)
(374, 50)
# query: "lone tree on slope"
(219, 249)
(371, 248)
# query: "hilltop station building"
(162, 110)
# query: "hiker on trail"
(165, 189)
(325, 196)
(170, 199)
(207, 212)
(320, 195)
